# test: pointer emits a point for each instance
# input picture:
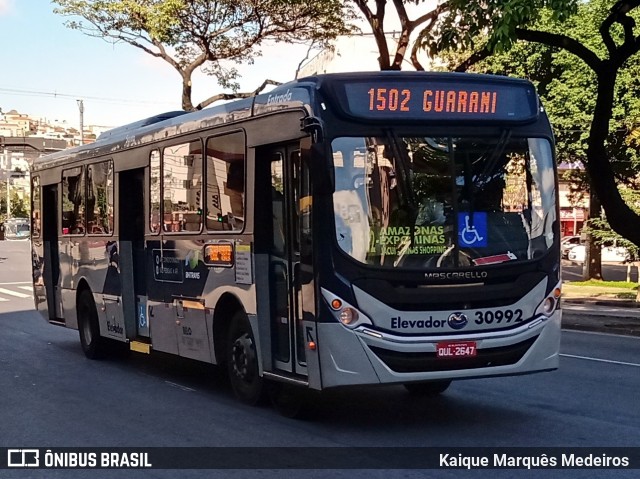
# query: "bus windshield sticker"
(472, 229)
(495, 259)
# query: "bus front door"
(289, 183)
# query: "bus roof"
(295, 94)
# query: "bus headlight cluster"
(343, 311)
(348, 316)
(551, 302)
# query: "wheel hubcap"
(86, 327)
(243, 358)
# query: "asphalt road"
(610, 271)
(51, 396)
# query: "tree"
(617, 49)
(207, 35)
(19, 206)
(568, 90)
(376, 21)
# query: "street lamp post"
(81, 108)
(5, 157)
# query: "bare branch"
(430, 16)
(414, 51)
(234, 96)
(418, 42)
(306, 57)
(475, 57)
(376, 22)
(562, 41)
(366, 11)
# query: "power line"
(48, 94)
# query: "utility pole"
(8, 158)
(81, 108)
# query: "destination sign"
(440, 100)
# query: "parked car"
(567, 243)
(610, 254)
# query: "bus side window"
(225, 182)
(277, 202)
(154, 193)
(100, 198)
(73, 201)
(182, 187)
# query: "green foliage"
(469, 19)
(568, 86)
(19, 206)
(190, 34)
(606, 284)
(568, 90)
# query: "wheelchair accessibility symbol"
(142, 315)
(472, 230)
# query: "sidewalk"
(602, 309)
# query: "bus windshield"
(443, 202)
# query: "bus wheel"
(432, 388)
(93, 345)
(242, 361)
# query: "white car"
(567, 243)
(610, 254)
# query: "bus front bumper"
(364, 357)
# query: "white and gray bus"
(340, 230)
(16, 228)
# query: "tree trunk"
(592, 267)
(187, 104)
(622, 219)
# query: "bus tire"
(432, 388)
(93, 345)
(242, 361)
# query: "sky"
(46, 67)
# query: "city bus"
(17, 228)
(341, 230)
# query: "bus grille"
(424, 362)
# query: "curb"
(618, 303)
(620, 330)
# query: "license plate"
(456, 349)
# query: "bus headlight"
(550, 303)
(548, 306)
(348, 315)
